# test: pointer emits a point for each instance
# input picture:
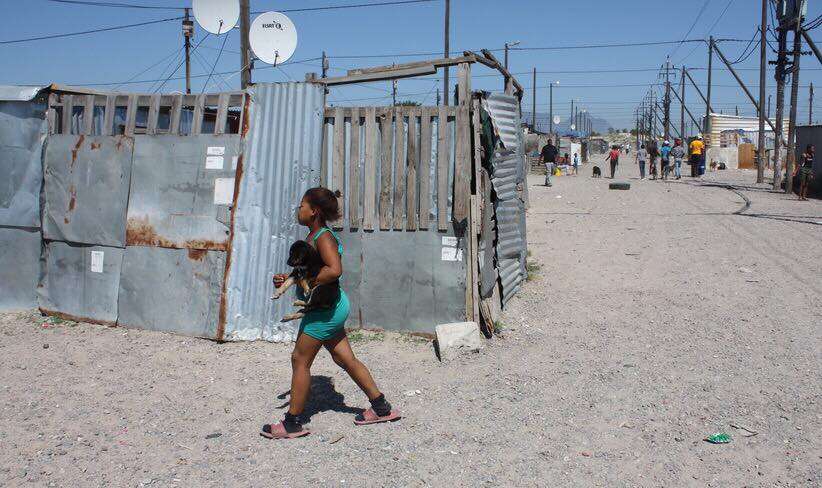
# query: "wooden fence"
(394, 165)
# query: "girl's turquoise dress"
(326, 324)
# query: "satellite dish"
(273, 38)
(217, 16)
(573, 127)
(556, 119)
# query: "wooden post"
(707, 129)
(763, 66)
(780, 108)
(131, 115)
(399, 169)
(354, 163)
(386, 161)
(154, 114)
(176, 114)
(338, 172)
(411, 204)
(68, 113)
(371, 155)
(424, 174)
(443, 161)
(797, 54)
(462, 189)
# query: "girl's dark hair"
(325, 202)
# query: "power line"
(92, 31)
(698, 16)
(357, 5)
(115, 4)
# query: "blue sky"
(390, 31)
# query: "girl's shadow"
(323, 397)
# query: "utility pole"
(781, 60)
(445, 87)
(571, 117)
(763, 61)
(769, 106)
(667, 101)
(810, 106)
(394, 89)
(325, 65)
(534, 97)
(707, 129)
(438, 96)
(188, 32)
(682, 104)
(245, 46)
(797, 54)
(551, 108)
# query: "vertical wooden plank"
(338, 173)
(411, 178)
(153, 114)
(88, 115)
(199, 108)
(424, 173)
(324, 158)
(176, 114)
(354, 163)
(443, 161)
(385, 169)
(68, 113)
(108, 115)
(462, 163)
(222, 113)
(399, 170)
(473, 258)
(370, 190)
(131, 115)
(51, 113)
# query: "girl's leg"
(305, 350)
(343, 355)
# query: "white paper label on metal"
(223, 191)
(214, 162)
(215, 151)
(451, 254)
(234, 160)
(449, 241)
(97, 261)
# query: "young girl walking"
(325, 328)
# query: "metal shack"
(172, 212)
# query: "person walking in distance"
(548, 156)
(653, 154)
(697, 157)
(677, 154)
(576, 164)
(806, 171)
(665, 161)
(641, 157)
(613, 157)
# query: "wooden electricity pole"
(445, 87)
(666, 103)
(780, 107)
(682, 105)
(707, 129)
(245, 46)
(797, 54)
(534, 102)
(763, 62)
(188, 31)
(810, 105)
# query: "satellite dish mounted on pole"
(216, 16)
(273, 38)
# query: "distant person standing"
(806, 171)
(548, 156)
(653, 154)
(697, 157)
(641, 157)
(613, 158)
(677, 154)
(665, 158)
(576, 164)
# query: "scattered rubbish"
(45, 346)
(336, 439)
(558, 196)
(745, 270)
(629, 365)
(619, 185)
(750, 433)
(718, 438)
(626, 425)
(585, 453)
(752, 281)
(632, 254)
(411, 393)
(214, 435)
(456, 339)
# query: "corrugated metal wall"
(508, 172)
(810, 134)
(23, 130)
(281, 161)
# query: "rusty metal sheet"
(181, 191)
(23, 129)
(171, 290)
(19, 267)
(86, 188)
(80, 281)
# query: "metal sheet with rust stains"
(86, 188)
(171, 290)
(80, 281)
(177, 185)
(281, 161)
(23, 129)
(19, 267)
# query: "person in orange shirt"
(697, 157)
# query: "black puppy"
(306, 264)
(597, 172)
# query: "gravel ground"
(656, 317)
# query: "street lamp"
(551, 104)
(507, 45)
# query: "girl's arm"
(331, 272)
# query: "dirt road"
(658, 316)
